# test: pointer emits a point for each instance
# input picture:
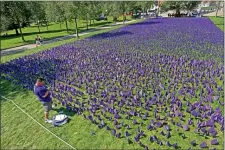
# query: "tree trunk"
(17, 32)
(47, 25)
(60, 25)
(93, 21)
(217, 9)
(87, 21)
(21, 33)
(76, 26)
(39, 27)
(90, 22)
(114, 19)
(66, 26)
(177, 13)
(123, 18)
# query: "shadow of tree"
(111, 34)
(8, 89)
(145, 23)
(100, 23)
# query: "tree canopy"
(179, 5)
(17, 14)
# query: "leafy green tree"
(95, 9)
(144, 5)
(17, 12)
(74, 9)
(84, 12)
(179, 5)
(59, 12)
(190, 5)
(38, 13)
(5, 23)
(113, 9)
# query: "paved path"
(220, 13)
(30, 46)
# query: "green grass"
(53, 31)
(208, 8)
(218, 21)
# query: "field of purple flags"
(157, 83)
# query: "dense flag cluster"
(145, 83)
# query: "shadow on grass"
(16, 81)
(7, 89)
(100, 24)
(10, 36)
(70, 31)
(46, 40)
(13, 52)
(111, 34)
(144, 23)
(65, 111)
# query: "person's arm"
(46, 94)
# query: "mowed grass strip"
(218, 21)
(54, 31)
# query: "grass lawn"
(53, 31)
(218, 21)
(20, 132)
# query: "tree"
(84, 12)
(17, 12)
(95, 9)
(219, 5)
(38, 13)
(113, 9)
(144, 5)
(58, 11)
(173, 5)
(5, 23)
(179, 5)
(190, 5)
(124, 7)
(74, 8)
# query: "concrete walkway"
(220, 13)
(30, 46)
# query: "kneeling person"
(41, 90)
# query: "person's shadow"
(63, 110)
